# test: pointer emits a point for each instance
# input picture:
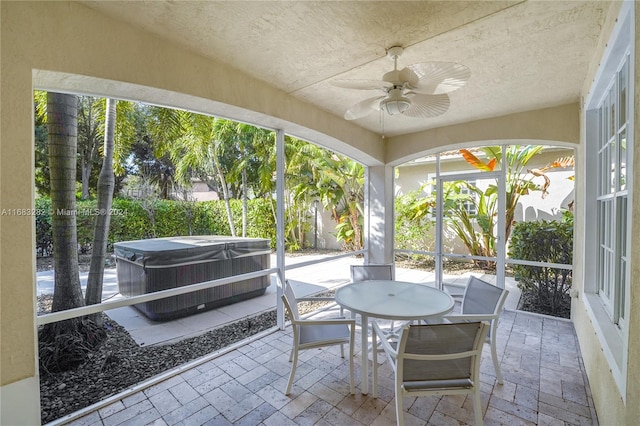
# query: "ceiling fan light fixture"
(395, 106)
(395, 103)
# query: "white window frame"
(468, 205)
(608, 204)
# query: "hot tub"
(146, 266)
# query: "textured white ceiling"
(522, 55)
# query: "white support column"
(379, 234)
(280, 163)
(439, 225)
(501, 238)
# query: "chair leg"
(351, 367)
(477, 407)
(294, 354)
(494, 353)
(399, 413)
(374, 345)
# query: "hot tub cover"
(174, 251)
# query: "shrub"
(132, 220)
(44, 243)
(544, 289)
(413, 232)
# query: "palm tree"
(106, 183)
(64, 345)
(194, 145)
(91, 115)
(62, 122)
(250, 140)
(314, 173)
(342, 188)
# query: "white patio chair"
(371, 272)
(309, 334)
(483, 301)
(436, 359)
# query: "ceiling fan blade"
(363, 108)
(426, 106)
(434, 78)
(362, 84)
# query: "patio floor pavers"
(544, 384)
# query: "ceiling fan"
(418, 90)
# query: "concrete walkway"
(306, 280)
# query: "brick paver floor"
(544, 383)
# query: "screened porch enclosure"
(470, 200)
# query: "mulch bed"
(119, 363)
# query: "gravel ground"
(120, 363)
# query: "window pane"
(613, 169)
(601, 174)
(621, 290)
(602, 125)
(606, 220)
(612, 113)
(622, 225)
(622, 250)
(606, 168)
(622, 145)
(622, 95)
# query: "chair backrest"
(289, 299)
(480, 297)
(371, 272)
(441, 352)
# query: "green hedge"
(544, 289)
(136, 220)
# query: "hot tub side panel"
(135, 279)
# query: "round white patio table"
(393, 300)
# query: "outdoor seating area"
(544, 383)
(448, 139)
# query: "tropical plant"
(411, 233)
(476, 226)
(91, 122)
(341, 190)
(91, 118)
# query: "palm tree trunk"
(80, 335)
(106, 182)
(225, 192)
(62, 122)
(85, 169)
(63, 139)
